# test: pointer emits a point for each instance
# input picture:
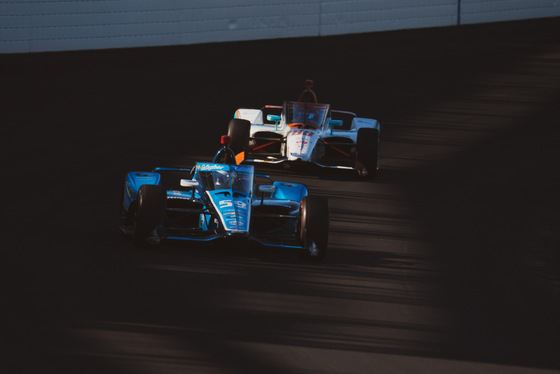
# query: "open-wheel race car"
(223, 200)
(306, 131)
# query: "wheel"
(313, 227)
(239, 131)
(367, 148)
(151, 205)
(127, 216)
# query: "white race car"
(306, 131)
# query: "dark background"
(447, 262)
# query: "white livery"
(306, 131)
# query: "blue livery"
(216, 200)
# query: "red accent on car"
(336, 149)
(226, 140)
(266, 145)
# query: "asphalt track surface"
(446, 263)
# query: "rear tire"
(367, 148)
(151, 204)
(239, 131)
(313, 227)
(127, 215)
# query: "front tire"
(313, 227)
(151, 203)
(367, 148)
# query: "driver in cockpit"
(221, 180)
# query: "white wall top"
(56, 25)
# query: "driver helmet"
(313, 116)
(221, 180)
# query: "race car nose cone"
(300, 144)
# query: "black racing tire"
(367, 149)
(151, 205)
(127, 216)
(239, 131)
(313, 226)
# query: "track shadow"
(82, 299)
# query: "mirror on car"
(273, 118)
(267, 188)
(189, 183)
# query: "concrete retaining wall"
(56, 25)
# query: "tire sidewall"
(151, 205)
(239, 131)
(367, 146)
(313, 225)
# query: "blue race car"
(222, 200)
